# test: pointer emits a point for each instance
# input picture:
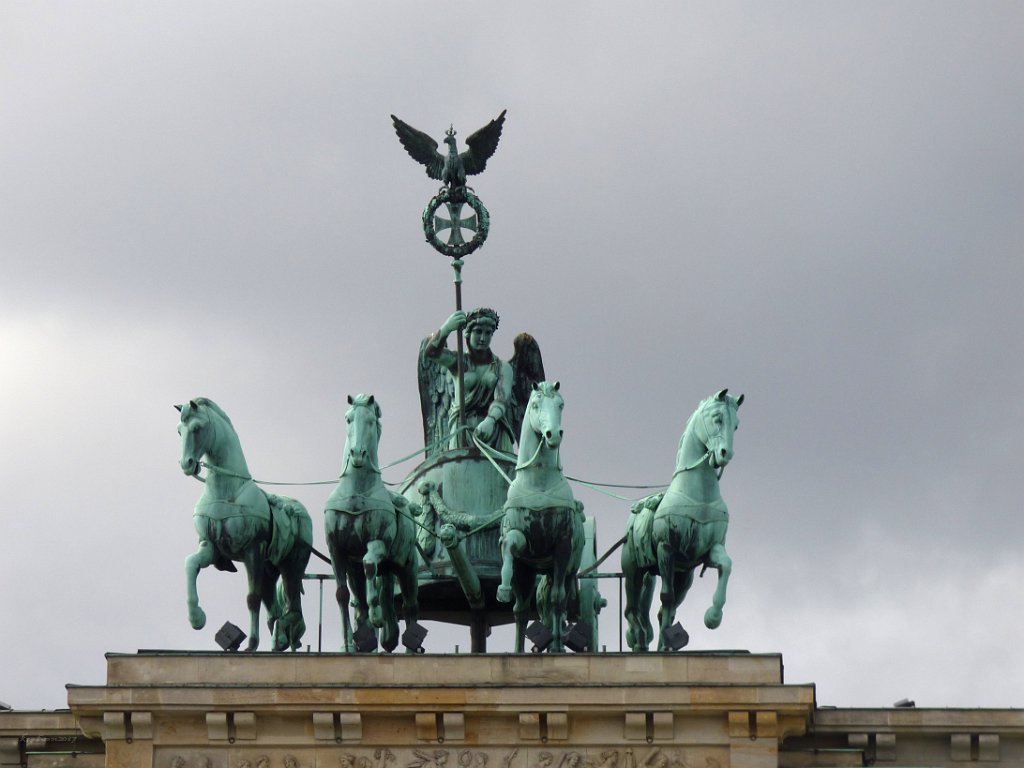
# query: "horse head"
(544, 413)
(196, 430)
(716, 421)
(362, 431)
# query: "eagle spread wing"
(421, 147)
(481, 145)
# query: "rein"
(533, 459)
(229, 473)
(696, 464)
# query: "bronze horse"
(238, 521)
(542, 529)
(671, 533)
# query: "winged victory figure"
(451, 168)
(496, 391)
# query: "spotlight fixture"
(676, 637)
(904, 704)
(365, 639)
(229, 637)
(541, 637)
(577, 639)
(413, 636)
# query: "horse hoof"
(197, 618)
(712, 617)
(504, 594)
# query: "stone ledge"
(505, 670)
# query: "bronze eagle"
(452, 168)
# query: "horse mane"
(729, 401)
(205, 401)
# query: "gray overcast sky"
(816, 204)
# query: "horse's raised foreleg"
(719, 559)
(194, 563)
(375, 554)
(513, 545)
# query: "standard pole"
(457, 267)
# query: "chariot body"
(463, 489)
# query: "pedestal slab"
(683, 710)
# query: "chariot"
(475, 534)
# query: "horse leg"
(288, 598)
(410, 595)
(523, 580)
(357, 600)
(340, 565)
(637, 611)
(375, 553)
(666, 569)
(389, 628)
(634, 579)
(719, 559)
(203, 557)
(269, 596)
(559, 591)
(513, 545)
(645, 601)
(254, 571)
(681, 583)
(343, 596)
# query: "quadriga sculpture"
(370, 534)
(542, 529)
(238, 521)
(669, 534)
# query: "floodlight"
(365, 639)
(229, 637)
(413, 636)
(676, 637)
(904, 704)
(541, 637)
(578, 638)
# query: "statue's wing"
(437, 392)
(481, 145)
(421, 147)
(527, 369)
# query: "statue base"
(224, 710)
